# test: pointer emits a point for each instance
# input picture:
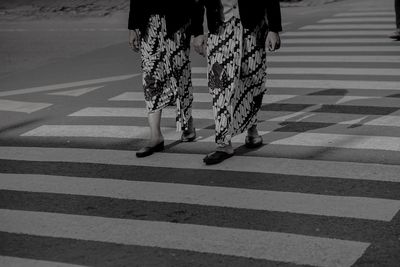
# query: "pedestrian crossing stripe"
(207, 114)
(21, 262)
(364, 14)
(348, 26)
(291, 49)
(272, 246)
(287, 98)
(337, 58)
(22, 106)
(326, 70)
(344, 141)
(349, 20)
(338, 33)
(328, 40)
(54, 87)
(318, 84)
(311, 204)
(263, 165)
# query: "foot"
(189, 135)
(395, 35)
(253, 139)
(217, 157)
(149, 150)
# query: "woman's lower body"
(237, 76)
(166, 80)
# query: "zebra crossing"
(323, 191)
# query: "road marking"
(136, 112)
(334, 40)
(348, 26)
(300, 139)
(198, 97)
(285, 166)
(322, 70)
(334, 84)
(300, 203)
(21, 106)
(340, 49)
(350, 20)
(365, 14)
(338, 33)
(338, 58)
(319, 84)
(67, 85)
(77, 92)
(20, 262)
(271, 246)
(342, 141)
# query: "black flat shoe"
(253, 142)
(217, 157)
(148, 150)
(188, 136)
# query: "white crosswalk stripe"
(246, 243)
(333, 99)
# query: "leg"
(178, 52)
(157, 93)
(248, 99)
(156, 136)
(223, 57)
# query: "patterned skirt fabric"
(237, 75)
(166, 70)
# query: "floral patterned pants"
(166, 70)
(236, 77)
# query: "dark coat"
(177, 13)
(252, 13)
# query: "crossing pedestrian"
(396, 33)
(240, 32)
(159, 30)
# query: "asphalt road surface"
(324, 190)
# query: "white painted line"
(77, 92)
(197, 97)
(334, 84)
(340, 49)
(273, 246)
(238, 198)
(338, 58)
(66, 85)
(351, 20)
(321, 84)
(348, 27)
(21, 262)
(139, 96)
(99, 131)
(338, 33)
(372, 9)
(301, 139)
(342, 141)
(22, 106)
(346, 40)
(365, 14)
(313, 168)
(136, 112)
(336, 71)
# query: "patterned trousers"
(166, 70)
(237, 76)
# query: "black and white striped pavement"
(324, 190)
